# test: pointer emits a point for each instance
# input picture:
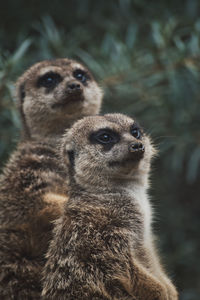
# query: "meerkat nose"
(137, 147)
(73, 86)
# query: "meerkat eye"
(135, 131)
(81, 75)
(104, 137)
(49, 80)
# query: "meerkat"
(102, 244)
(52, 94)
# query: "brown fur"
(99, 246)
(47, 111)
(27, 209)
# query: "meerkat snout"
(74, 91)
(74, 87)
(137, 147)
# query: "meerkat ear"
(21, 91)
(68, 154)
(70, 158)
(20, 95)
(67, 149)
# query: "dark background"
(146, 56)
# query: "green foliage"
(147, 59)
(9, 119)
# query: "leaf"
(19, 53)
(193, 165)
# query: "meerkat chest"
(142, 202)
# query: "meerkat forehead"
(60, 69)
(120, 119)
(113, 121)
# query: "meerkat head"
(104, 149)
(52, 94)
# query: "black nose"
(73, 86)
(137, 147)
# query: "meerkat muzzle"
(137, 148)
(74, 86)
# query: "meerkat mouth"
(129, 160)
(68, 99)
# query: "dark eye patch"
(81, 75)
(136, 131)
(105, 137)
(49, 80)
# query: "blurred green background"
(146, 56)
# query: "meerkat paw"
(147, 287)
(158, 292)
(171, 289)
(172, 292)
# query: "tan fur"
(100, 246)
(55, 199)
(47, 112)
